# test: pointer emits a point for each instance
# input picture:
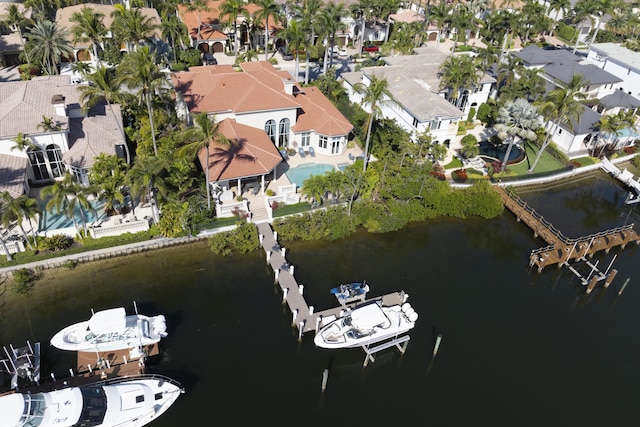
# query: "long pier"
(561, 249)
(304, 316)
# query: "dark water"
(519, 348)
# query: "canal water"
(519, 348)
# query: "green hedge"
(566, 32)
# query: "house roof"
(23, 103)
(251, 153)
(591, 74)
(619, 53)
(620, 98)
(260, 87)
(212, 19)
(534, 55)
(414, 83)
(98, 132)
(4, 9)
(63, 16)
(407, 16)
(13, 174)
(586, 122)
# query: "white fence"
(119, 226)
(287, 195)
(13, 246)
(228, 210)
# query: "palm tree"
(331, 20)
(362, 11)
(108, 176)
(561, 105)
(458, 73)
(233, 9)
(139, 71)
(374, 95)
(19, 208)
(61, 198)
(309, 11)
(89, 28)
(131, 26)
(198, 6)
(314, 187)
(517, 118)
(23, 143)
(208, 132)
(16, 18)
(296, 37)
(173, 29)
(146, 177)
(606, 7)
(559, 6)
(102, 86)
(583, 9)
(47, 45)
(440, 15)
(268, 9)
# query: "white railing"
(13, 246)
(119, 227)
(228, 210)
(287, 199)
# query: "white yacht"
(122, 402)
(367, 324)
(110, 330)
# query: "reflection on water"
(519, 348)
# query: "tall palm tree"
(517, 118)
(173, 29)
(146, 176)
(47, 45)
(198, 6)
(606, 7)
(374, 95)
(361, 12)
(440, 15)
(89, 27)
(268, 9)
(208, 131)
(561, 105)
(583, 9)
(61, 198)
(15, 17)
(296, 38)
(131, 26)
(232, 9)
(102, 86)
(331, 19)
(458, 73)
(139, 72)
(20, 208)
(559, 6)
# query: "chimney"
(288, 86)
(58, 104)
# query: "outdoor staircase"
(258, 212)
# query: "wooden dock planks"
(302, 316)
(561, 250)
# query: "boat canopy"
(368, 316)
(108, 321)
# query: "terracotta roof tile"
(251, 153)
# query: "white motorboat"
(366, 325)
(112, 329)
(122, 402)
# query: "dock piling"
(592, 284)
(310, 310)
(318, 320)
(261, 238)
(437, 346)
(624, 285)
(301, 289)
(283, 250)
(610, 278)
(268, 257)
(285, 291)
(294, 314)
(291, 270)
(277, 272)
(325, 377)
(300, 330)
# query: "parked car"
(285, 53)
(370, 47)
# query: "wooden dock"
(561, 249)
(303, 316)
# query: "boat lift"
(22, 362)
(400, 342)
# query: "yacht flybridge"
(121, 402)
(111, 329)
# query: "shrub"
(566, 32)
(56, 243)
(631, 149)
(243, 239)
(484, 114)
(459, 175)
(178, 66)
(469, 146)
(472, 114)
(270, 192)
(636, 161)
(191, 57)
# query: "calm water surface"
(519, 348)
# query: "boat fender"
(413, 316)
(409, 312)
(406, 306)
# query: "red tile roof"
(251, 153)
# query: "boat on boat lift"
(367, 324)
(111, 329)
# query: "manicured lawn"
(546, 163)
(454, 164)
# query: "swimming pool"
(300, 173)
(54, 220)
(491, 152)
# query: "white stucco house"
(418, 104)
(619, 61)
(71, 142)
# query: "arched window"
(283, 133)
(270, 129)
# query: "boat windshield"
(94, 406)
(34, 407)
